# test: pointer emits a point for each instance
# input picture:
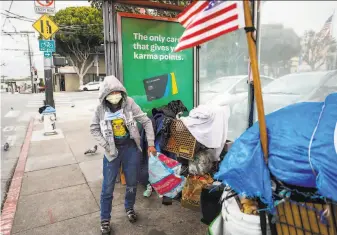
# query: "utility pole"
(3, 78)
(30, 65)
(26, 33)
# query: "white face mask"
(114, 99)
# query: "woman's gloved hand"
(152, 151)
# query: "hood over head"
(110, 84)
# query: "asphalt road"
(18, 109)
(16, 112)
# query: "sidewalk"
(60, 191)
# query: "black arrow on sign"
(41, 24)
(48, 27)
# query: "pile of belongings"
(208, 124)
(302, 142)
(161, 120)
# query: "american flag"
(191, 11)
(326, 30)
(206, 20)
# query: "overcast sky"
(300, 15)
(17, 64)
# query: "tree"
(153, 12)
(225, 54)
(278, 46)
(81, 30)
(316, 49)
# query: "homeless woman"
(114, 127)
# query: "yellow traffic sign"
(45, 26)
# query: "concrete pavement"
(18, 109)
(61, 187)
(15, 117)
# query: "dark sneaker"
(131, 214)
(105, 227)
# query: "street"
(18, 109)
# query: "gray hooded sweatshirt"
(101, 127)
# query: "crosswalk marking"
(61, 99)
(37, 101)
(12, 114)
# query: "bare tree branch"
(74, 65)
(320, 65)
(81, 54)
(88, 67)
(316, 49)
(72, 49)
(82, 66)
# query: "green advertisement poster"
(153, 73)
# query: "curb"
(9, 209)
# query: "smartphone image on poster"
(160, 86)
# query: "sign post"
(48, 47)
(47, 28)
(44, 6)
(48, 75)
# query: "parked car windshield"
(221, 84)
(295, 83)
(242, 86)
(330, 86)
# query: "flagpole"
(256, 80)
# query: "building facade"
(66, 78)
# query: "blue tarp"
(301, 152)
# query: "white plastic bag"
(163, 177)
(201, 164)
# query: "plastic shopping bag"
(170, 163)
(163, 176)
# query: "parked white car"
(90, 86)
(287, 90)
(231, 91)
(228, 90)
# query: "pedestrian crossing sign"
(45, 26)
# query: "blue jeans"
(129, 156)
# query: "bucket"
(237, 222)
